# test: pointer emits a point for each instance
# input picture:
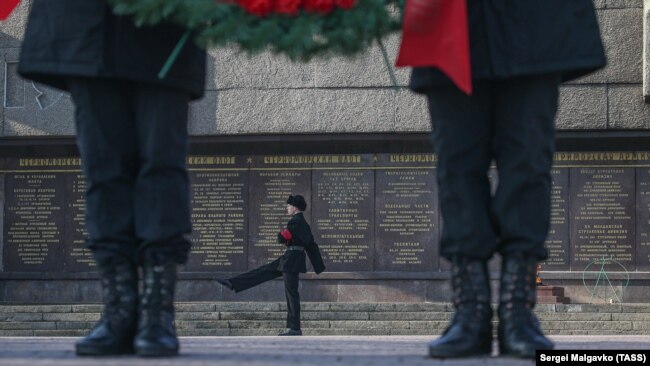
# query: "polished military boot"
(470, 330)
(225, 283)
(114, 333)
(291, 332)
(519, 331)
(156, 335)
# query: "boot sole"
(527, 355)
(517, 355)
(449, 353)
(156, 352)
(457, 355)
(86, 350)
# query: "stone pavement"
(285, 351)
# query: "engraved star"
(249, 160)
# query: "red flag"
(435, 33)
(6, 7)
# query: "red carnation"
(289, 7)
(346, 4)
(319, 6)
(261, 8)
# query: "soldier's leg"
(106, 141)
(255, 277)
(162, 190)
(291, 281)
(524, 144)
(162, 210)
(462, 131)
(106, 137)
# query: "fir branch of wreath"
(301, 36)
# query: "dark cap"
(297, 201)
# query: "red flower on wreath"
(346, 4)
(319, 6)
(289, 7)
(261, 8)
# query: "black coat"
(84, 38)
(294, 260)
(511, 38)
(315, 257)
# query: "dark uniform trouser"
(269, 272)
(133, 142)
(511, 122)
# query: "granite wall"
(271, 95)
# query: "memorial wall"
(370, 213)
(374, 213)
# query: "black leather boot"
(470, 331)
(291, 332)
(114, 333)
(225, 283)
(519, 330)
(156, 336)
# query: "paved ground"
(282, 351)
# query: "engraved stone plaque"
(406, 214)
(367, 212)
(219, 213)
(78, 258)
(343, 212)
(34, 222)
(557, 242)
(602, 215)
(272, 180)
(494, 264)
(643, 219)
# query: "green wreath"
(302, 35)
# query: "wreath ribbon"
(435, 33)
(7, 7)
